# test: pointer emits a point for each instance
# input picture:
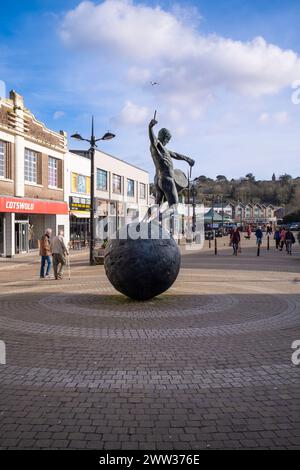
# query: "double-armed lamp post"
(92, 141)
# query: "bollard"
(209, 242)
(258, 248)
(268, 243)
(216, 246)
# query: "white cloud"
(133, 114)
(281, 117)
(58, 115)
(183, 60)
(139, 75)
(263, 118)
(2, 89)
(121, 46)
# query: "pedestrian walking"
(282, 239)
(45, 251)
(235, 241)
(289, 241)
(269, 229)
(59, 254)
(277, 238)
(30, 237)
(259, 235)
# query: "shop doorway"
(21, 237)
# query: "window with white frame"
(2, 159)
(52, 172)
(142, 191)
(30, 167)
(101, 180)
(117, 184)
(130, 188)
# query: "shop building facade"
(121, 191)
(31, 178)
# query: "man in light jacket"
(59, 253)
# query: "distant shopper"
(259, 235)
(269, 230)
(282, 239)
(45, 251)
(289, 241)
(235, 240)
(30, 237)
(277, 238)
(59, 253)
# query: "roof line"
(86, 153)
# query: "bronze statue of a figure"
(164, 181)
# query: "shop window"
(130, 188)
(102, 209)
(101, 180)
(52, 172)
(31, 166)
(117, 184)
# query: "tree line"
(283, 191)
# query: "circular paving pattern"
(166, 306)
(78, 309)
(85, 362)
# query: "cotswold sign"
(22, 206)
(27, 206)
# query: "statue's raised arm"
(152, 137)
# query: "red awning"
(32, 206)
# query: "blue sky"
(225, 96)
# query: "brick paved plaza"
(206, 365)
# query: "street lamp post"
(212, 219)
(92, 141)
(189, 175)
(194, 207)
(222, 208)
(212, 212)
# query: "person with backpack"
(45, 251)
(289, 241)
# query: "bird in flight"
(154, 83)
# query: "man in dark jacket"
(259, 235)
(289, 241)
(235, 240)
(277, 238)
(45, 252)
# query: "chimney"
(17, 99)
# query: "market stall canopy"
(213, 215)
(217, 217)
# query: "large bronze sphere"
(142, 267)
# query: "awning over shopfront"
(32, 206)
(80, 214)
